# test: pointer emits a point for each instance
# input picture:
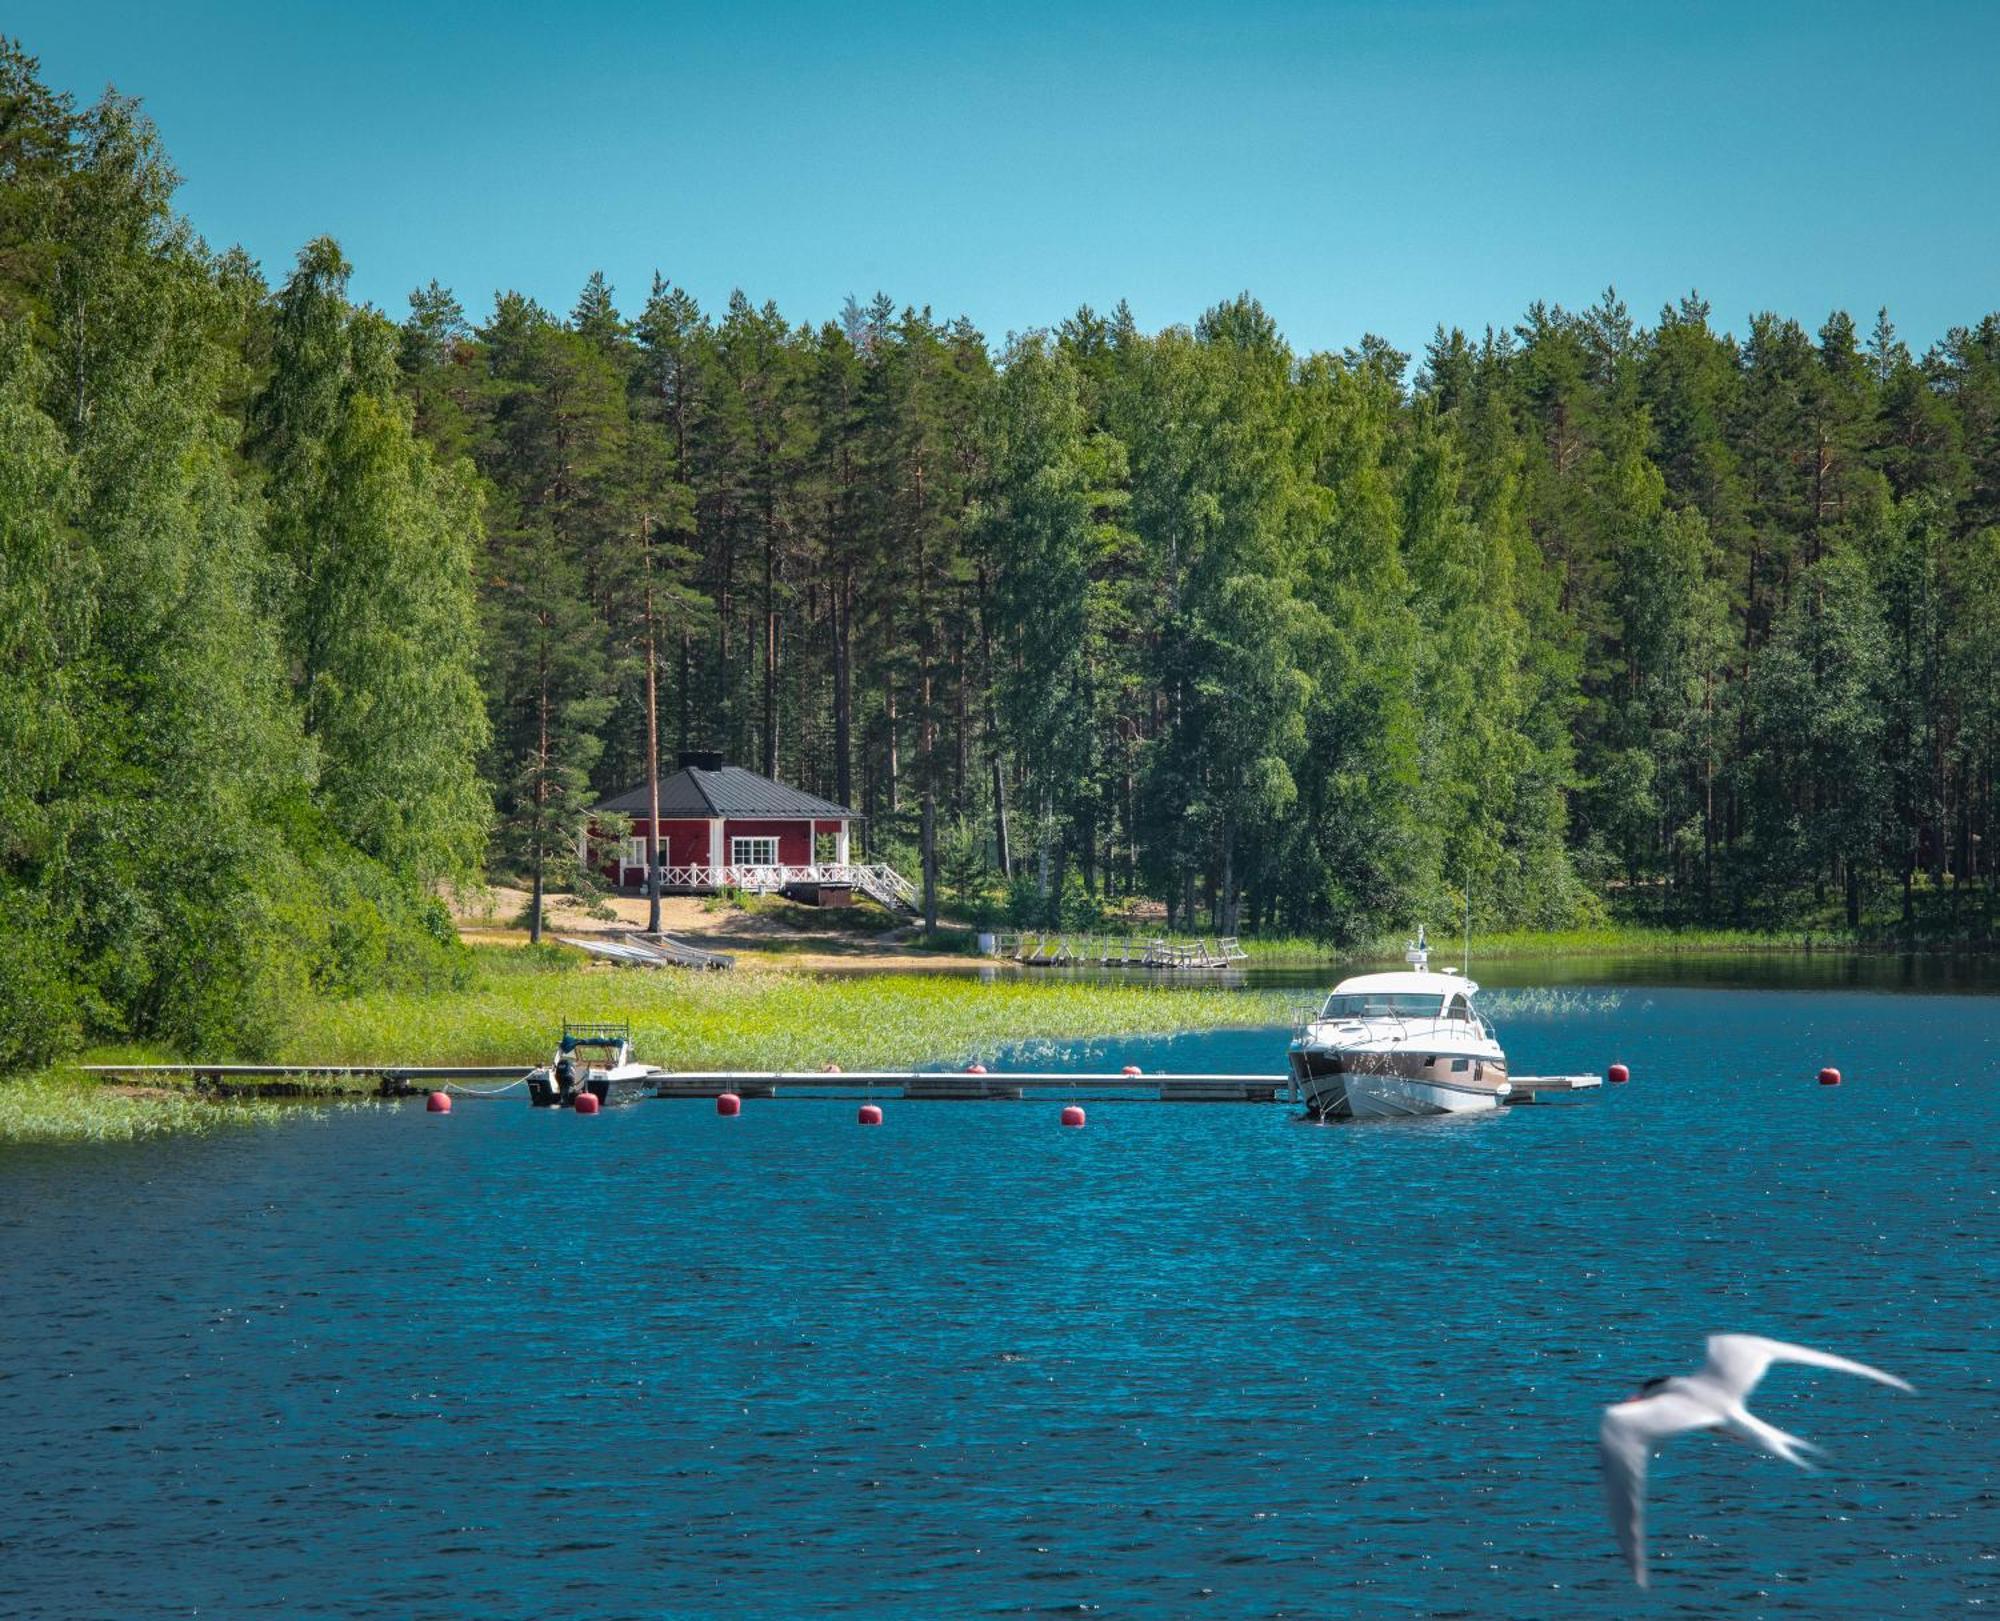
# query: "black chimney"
(701, 759)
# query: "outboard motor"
(565, 1080)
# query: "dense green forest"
(306, 611)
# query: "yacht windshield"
(1383, 1005)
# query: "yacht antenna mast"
(1466, 960)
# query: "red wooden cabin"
(724, 827)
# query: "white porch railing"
(878, 879)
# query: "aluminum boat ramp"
(642, 950)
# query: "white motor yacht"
(1395, 1044)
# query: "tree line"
(306, 612)
(1578, 613)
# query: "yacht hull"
(1375, 1085)
(1392, 1096)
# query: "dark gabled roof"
(732, 791)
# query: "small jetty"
(1034, 950)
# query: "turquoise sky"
(1360, 167)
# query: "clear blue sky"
(1359, 167)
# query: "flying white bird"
(1709, 1400)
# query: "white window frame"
(742, 846)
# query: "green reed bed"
(1626, 939)
(64, 1106)
(1631, 939)
(1548, 1002)
(745, 1019)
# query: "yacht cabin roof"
(1407, 981)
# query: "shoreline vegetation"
(768, 1013)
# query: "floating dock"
(963, 1084)
(406, 1080)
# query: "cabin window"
(1459, 1065)
(753, 852)
(1459, 1009)
(1382, 1005)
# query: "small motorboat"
(1388, 1045)
(593, 1058)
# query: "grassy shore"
(760, 1020)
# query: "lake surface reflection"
(1189, 1360)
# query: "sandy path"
(779, 938)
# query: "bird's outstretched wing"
(1738, 1361)
(1625, 1442)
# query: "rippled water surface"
(1191, 1360)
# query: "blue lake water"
(1191, 1360)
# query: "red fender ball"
(1133, 1069)
(728, 1103)
(438, 1103)
(975, 1069)
(1829, 1076)
(586, 1103)
(871, 1114)
(1618, 1075)
(1072, 1116)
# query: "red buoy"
(586, 1103)
(975, 1069)
(438, 1103)
(1133, 1069)
(728, 1103)
(1618, 1075)
(1072, 1115)
(871, 1114)
(1829, 1076)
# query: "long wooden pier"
(402, 1080)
